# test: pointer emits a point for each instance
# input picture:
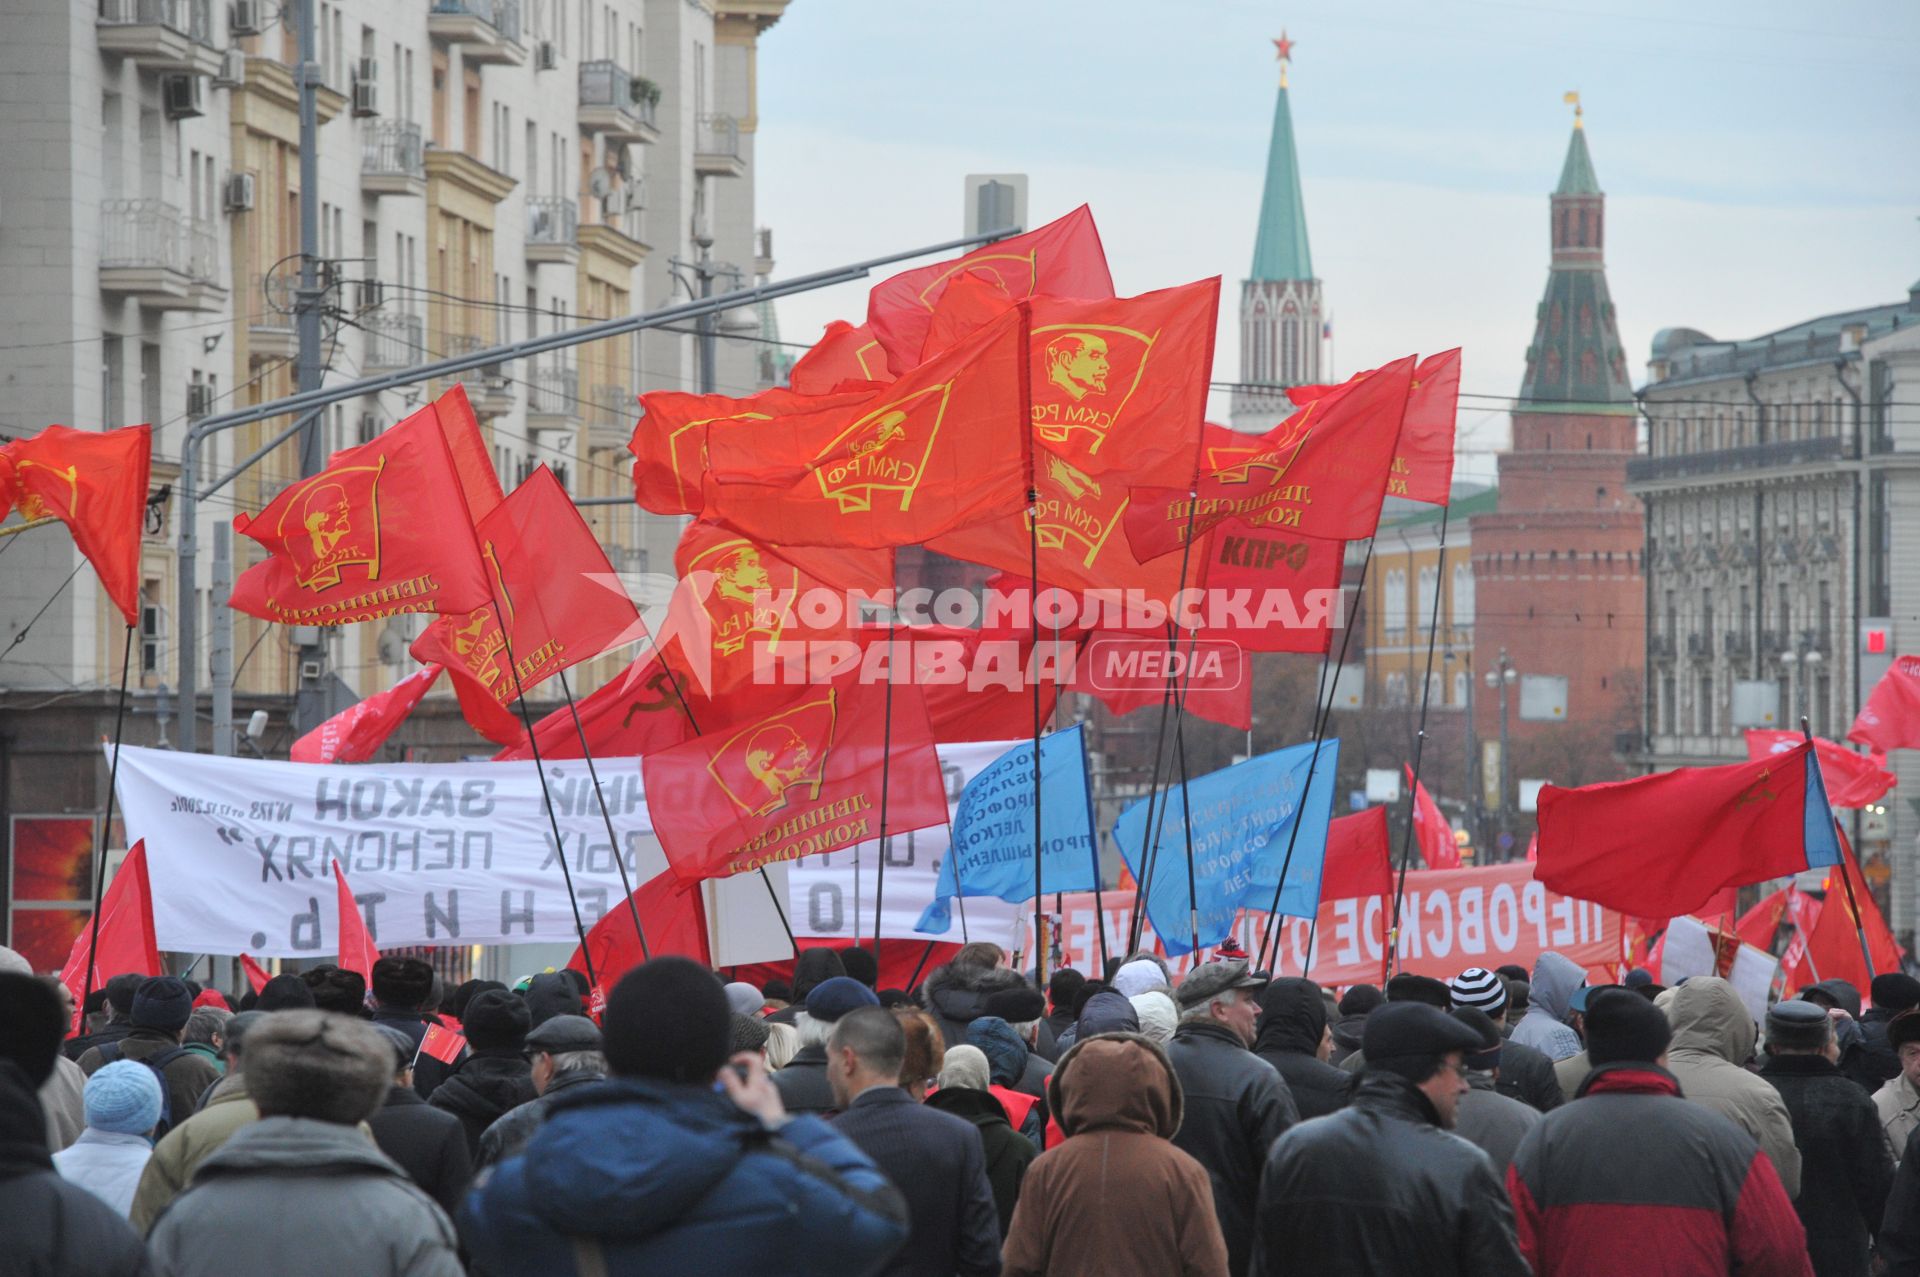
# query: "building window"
(1429, 596)
(1703, 706)
(1462, 594)
(1669, 717)
(1394, 605)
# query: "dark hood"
(486, 1086)
(551, 994)
(1347, 1030)
(982, 1108)
(1293, 1017)
(1005, 1051)
(814, 966)
(1122, 1081)
(960, 993)
(1105, 1012)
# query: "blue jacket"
(677, 1179)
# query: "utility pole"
(311, 707)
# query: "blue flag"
(1243, 819)
(992, 847)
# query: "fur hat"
(497, 1018)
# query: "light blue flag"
(992, 846)
(1243, 819)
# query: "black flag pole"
(613, 839)
(1186, 814)
(1419, 748)
(1033, 631)
(106, 828)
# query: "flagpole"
(1186, 812)
(1033, 632)
(106, 828)
(1846, 878)
(546, 795)
(886, 775)
(1419, 748)
(1093, 833)
(1323, 714)
(613, 839)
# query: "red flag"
(1323, 471)
(561, 598)
(669, 443)
(978, 684)
(1063, 258)
(1272, 591)
(1359, 860)
(801, 781)
(675, 922)
(1127, 671)
(472, 458)
(443, 1042)
(385, 528)
(943, 448)
(1662, 845)
(95, 482)
(357, 951)
(356, 732)
(647, 708)
(1852, 779)
(1833, 942)
(257, 975)
(1430, 829)
(126, 944)
(1423, 465)
(844, 353)
(1890, 719)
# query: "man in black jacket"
(493, 1076)
(1295, 1039)
(935, 1159)
(1526, 1074)
(1236, 1103)
(429, 1144)
(1846, 1169)
(1380, 1187)
(802, 1081)
(1876, 1063)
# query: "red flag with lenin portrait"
(1660, 846)
(1064, 258)
(562, 602)
(1322, 472)
(943, 448)
(669, 443)
(95, 482)
(385, 528)
(845, 352)
(801, 780)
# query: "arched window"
(1429, 594)
(1462, 594)
(1394, 606)
(1459, 690)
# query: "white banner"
(832, 896)
(240, 851)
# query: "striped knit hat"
(1479, 988)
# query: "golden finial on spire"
(1572, 98)
(1283, 50)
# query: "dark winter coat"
(300, 1198)
(1379, 1188)
(49, 1227)
(512, 1129)
(938, 1163)
(488, 1082)
(74, 1048)
(549, 994)
(411, 1023)
(1008, 1154)
(1116, 1196)
(429, 1144)
(1845, 1167)
(957, 995)
(1293, 1018)
(1898, 1245)
(1874, 1064)
(1527, 1075)
(188, 1075)
(802, 1083)
(1105, 1012)
(1237, 1106)
(1630, 1178)
(1346, 1037)
(676, 1179)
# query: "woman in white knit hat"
(123, 1106)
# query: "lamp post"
(1808, 659)
(1502, 677)
(1475, 805)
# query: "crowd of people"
(1502, 1122)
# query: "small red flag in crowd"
(126, 937)
(1890, 719)
(800, 781)
(1660, 846)
(562, 602)
(257, 976)
(1852, 779)
(385, 528)
(357, 951)
(357, 732)
(95, 482)
(443, 1042)
(1430, 829)
(1062, 259)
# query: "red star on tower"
(1283, 47)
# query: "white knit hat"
(1479, 988)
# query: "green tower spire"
(1280, 248)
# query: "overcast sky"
(1758, 157)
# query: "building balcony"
(716, 147)
(394, 340)
(1737, 643)
(161, 35)
(1729, 462)
(485, 30)
(1660, 647)
(610, 422)
(489, 389)
(271, 330)
(553, 398)
(553, 227)
(154, 253)
(619, 106)
(392, 158)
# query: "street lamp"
(1809, 659)
(1502, 677)
(1476, 807)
